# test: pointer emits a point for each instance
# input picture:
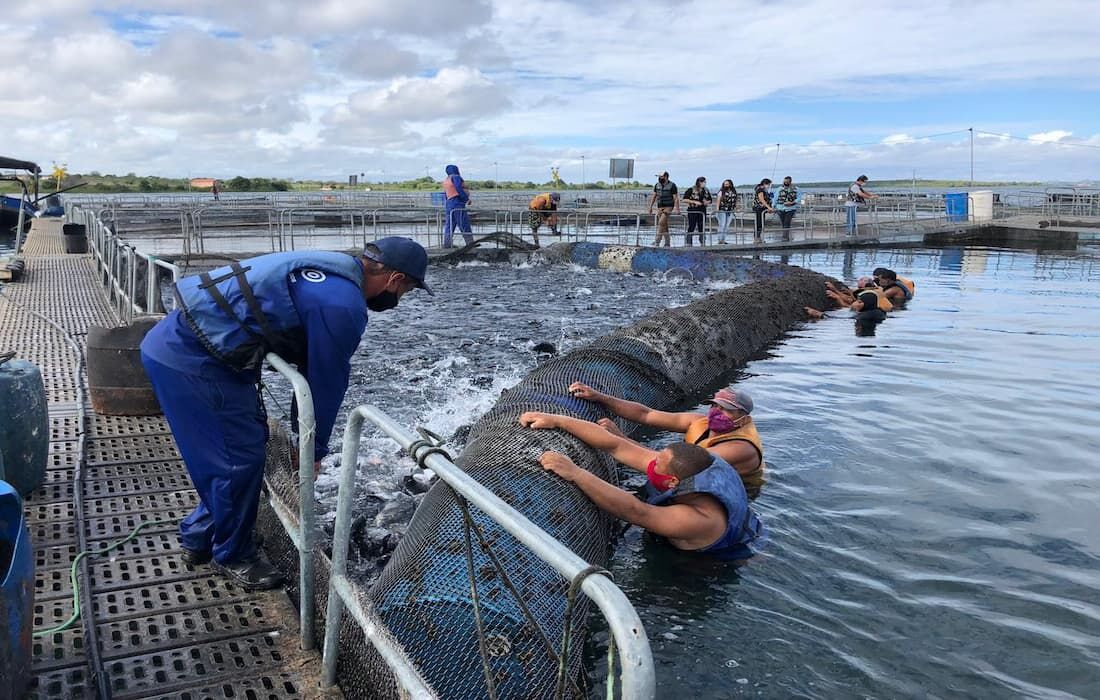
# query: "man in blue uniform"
(695, 499)
(204, 362)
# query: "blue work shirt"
(333, 317)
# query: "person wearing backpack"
(857, 194)
(786, 201)
(667, 200)
(761, 205)
(697, 199)
(727, 203)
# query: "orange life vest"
(542, 201)
(908, 285)
(699, 434)
(449, 187)
(883, 302)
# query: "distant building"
(202, 183)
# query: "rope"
(481, 644)
(73, 576)
(574, 587)
(510, 587)
(432, 442)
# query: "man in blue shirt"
(204, 363)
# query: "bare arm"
(680, 522)
(621, 449)
(634, 411)
(652, 201)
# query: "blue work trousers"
(851, 220)
(221, 430)
(458, 219)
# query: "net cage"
(424, 595)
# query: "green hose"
(72, 575)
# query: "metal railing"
(302, 534)
(131, 278)
(637, 680)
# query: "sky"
(508, 89)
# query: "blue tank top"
(721, 481)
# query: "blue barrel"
(438, 199)
(16, 594)
(24, 425)
(955, 206)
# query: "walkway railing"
(638, 680)
(302, 534)
(130, 277)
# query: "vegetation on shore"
(97, 183)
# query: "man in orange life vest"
(454, 188)
(727, 431)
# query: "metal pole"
(971, 157)
(496, 175)
(307, 432)
(638, 677)
(582, 173)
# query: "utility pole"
(496, 175)
(582, 172)
(971, 157)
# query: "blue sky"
(331, 87)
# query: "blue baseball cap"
(403, 255)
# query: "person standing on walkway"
(214, 190)
(204, 360)
(697, 199)
(454, 188)
(761, 205)
(727, 205)
(542, 209)
(857, 194)
(667, 200)
(786, 201)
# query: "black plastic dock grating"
(165, 629)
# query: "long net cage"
(509, 643)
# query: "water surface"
(933, 491)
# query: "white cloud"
(307, 89)
(1050, 136)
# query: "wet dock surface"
(163, 629)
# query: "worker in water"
(204, 360)
(543, 210)
(897, 289)
(727, 430)
(868, 302)
(865, 286)
(693, 499)
(457, 218)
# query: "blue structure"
(16, 594)
(955, 205)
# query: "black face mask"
(383, 301)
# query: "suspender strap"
(210, 285)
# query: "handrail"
(638, 679)
(301, 535)
(117, 266)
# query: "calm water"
(934, 493)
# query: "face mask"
(719, 422)
(661, 482)
(383, 301)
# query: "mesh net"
(423, 596)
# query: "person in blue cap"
(204, 360)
